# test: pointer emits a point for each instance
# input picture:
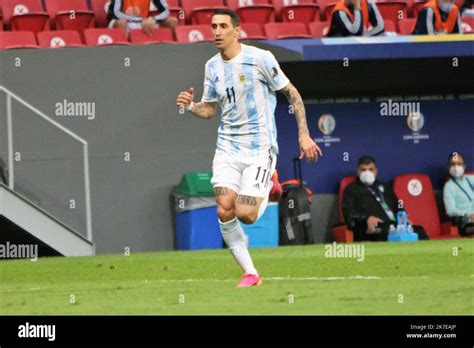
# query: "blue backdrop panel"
(360, 129)
(381, 47)
(389, 50)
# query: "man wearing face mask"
(438, 17)
(458, 194)
(370, 206)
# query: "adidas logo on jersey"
(257, 186)
(217, 79)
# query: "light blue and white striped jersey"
(245, 89)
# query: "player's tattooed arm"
(308, 147)
(295, 100)
(204, 109)
(247, 200)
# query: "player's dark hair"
(364, 160)
(234, 17)
(455, 154)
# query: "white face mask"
(445, 7)
(457, 171)
(367, 177)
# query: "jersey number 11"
(230, 94)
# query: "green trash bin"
(195, 184)
(197, 226)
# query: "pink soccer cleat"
(249, 280)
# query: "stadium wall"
(138, 141)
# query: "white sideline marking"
(269, 278)
(323, 278)
(17, 290)
(229, 280)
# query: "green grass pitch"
(394, 279)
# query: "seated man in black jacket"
(355, 18)
(370, 206)
(438, 17)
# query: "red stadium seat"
(467, 25)
(253, 11)
(406, 26)
(160, 35)
(25, 15)
(100, 9)
(251, 31)
(416, 193)
(193, 33)
(70, 14)
(390, 28)
(304, 11)
(279, 4)
(392, 10)
(417, 6)
(329, 6)
(177, 11)
(286, 31)
(105, 37)
(17, 39)
(200, 11)
(59, 38)
(341, 233)
(318, 29)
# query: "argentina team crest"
(242, 78)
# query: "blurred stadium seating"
(288, 19)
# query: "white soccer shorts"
(247, 176)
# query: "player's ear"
(237, 32)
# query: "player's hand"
(309, 148)
(185, 98)
(372, 223)
(472, 217)
(148, 24)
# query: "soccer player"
(242, 80)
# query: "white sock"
(236, 240)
